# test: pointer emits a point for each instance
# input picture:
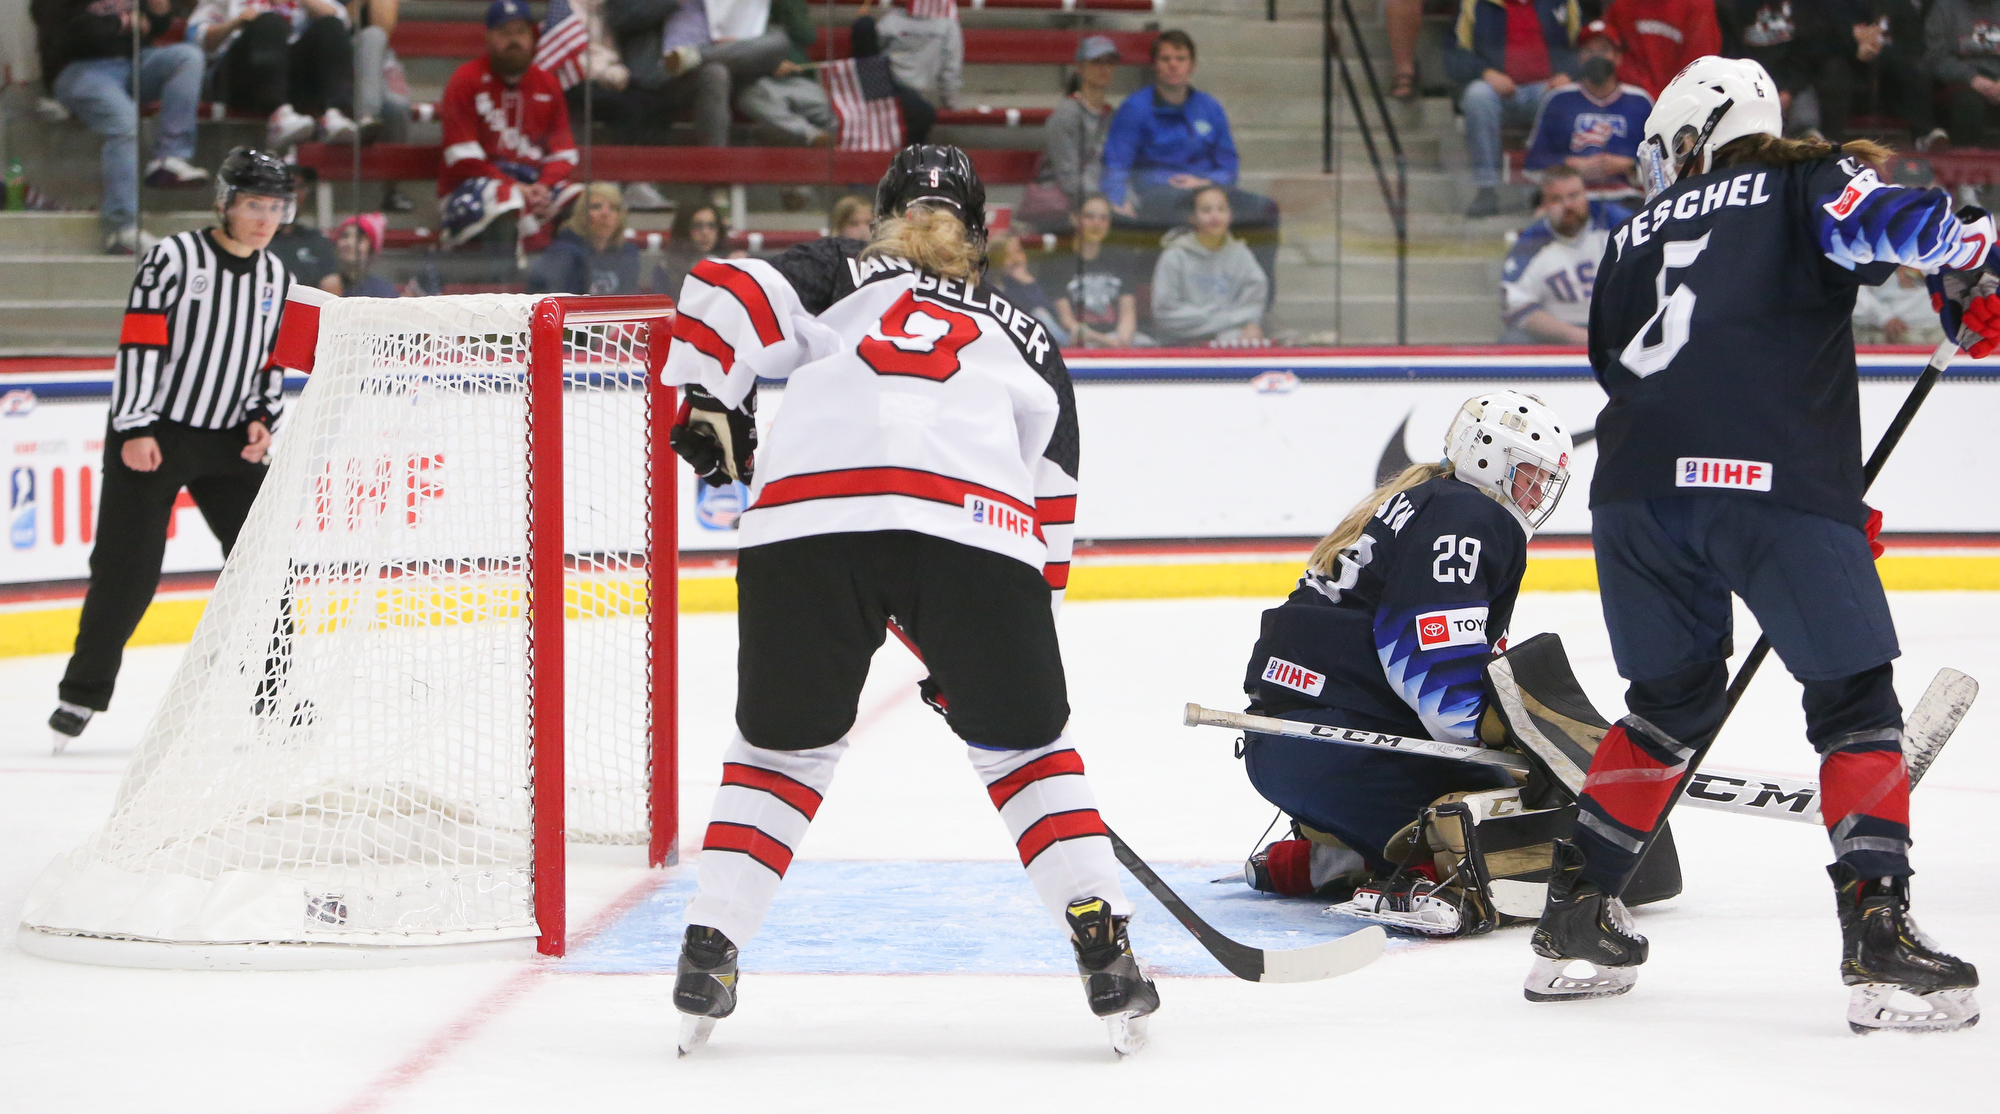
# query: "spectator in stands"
(292, 59)
(791, 99)
(1896, 312)
(307, 254)
(698, 233)
(381, 88)
(507, 146)
(1207, 287)
(926, 52)
(590, 255)
(853, 218)
(1660, 37)
(357, 241)
(1595, 125)
(1963, 54)
(919, 113)
(1097, 287)
(1904, 81)
(1406, 23)
(1846, 44)
(1009, 273)
(1168, 140)
(1546, 282)
(1506, 54)
(722, 47)
(1768, 32)
(1073, 141)
(88, 47)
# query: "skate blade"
(1885, 1007)
(1574, 980)
(62, 740)
(1428, 916)
(694, 1032)
(1128, 1032)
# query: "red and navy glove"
(718, 442)
(1873, 529)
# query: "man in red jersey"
(507, 144)
(1661, 37)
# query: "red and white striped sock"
(767, 800)
(1045, 801)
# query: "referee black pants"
(132, 516)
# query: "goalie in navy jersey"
(1390, 630)
(1730, 463)
(923, 474)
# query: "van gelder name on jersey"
(1032, 338)
(1000, 516)
(1708, 471)
(1464, 626)
(1295, 677)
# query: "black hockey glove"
(933, 695)
(1966, 301)
(719, 443)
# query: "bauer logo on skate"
(1464, 626)
(1000, 516)
(1707, 471)
(1295, 677)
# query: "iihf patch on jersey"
(1463, 626)
(1708, 471)
(1000, 516)
(1295, 677)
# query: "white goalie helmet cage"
(1498, 433)
(1711, 102)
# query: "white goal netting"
(346, 753)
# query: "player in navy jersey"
(1390, 630)
(1730, 462)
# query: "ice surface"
(1740, 1008)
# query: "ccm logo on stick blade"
(1464, 626)
(1295, 677)
(1709, 471)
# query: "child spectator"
(1506, 54)
(926, 53)
(853, 218)
(1660, 37)
(1593, 126)
(790, 99)
(289, 58)
(1896, 312)
(1097, 288)
(1546, 282)
(1009, 274)
(357, 241)
(1963, 53)
(1207, 286)
(87, 54)
(590, 255)
(698, 233)
(1073, 141)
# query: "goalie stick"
(1331, 959)
(1929, 727)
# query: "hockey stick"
(1343, 956)
(1932, 722)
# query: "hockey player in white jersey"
(923, 473)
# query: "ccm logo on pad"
(1295, 677)
(1464, 626)
(1000, 516)
(1708, 471)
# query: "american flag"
(564, 39)
(864, 97)
(934, 9)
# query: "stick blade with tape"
(1936, 715)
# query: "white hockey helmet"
(1513, 448)
(1710, 102)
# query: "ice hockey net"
(444, 640)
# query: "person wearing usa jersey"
(921, 476)
(193, 405)
(1392, 625)
(1730, 464)
(1545, 283)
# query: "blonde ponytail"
(932, 238)
(1327, 553)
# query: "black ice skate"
(1118, 990)
(1584, 944)
(1901, 980)
(705, 984)
(67, 723)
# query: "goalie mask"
(1513, 448)
(1711, 102)
(934, 174)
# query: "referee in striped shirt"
(193, 404)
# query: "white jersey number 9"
(1672, 314)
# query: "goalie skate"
(1411, 904)
(1901, 981)
(704, 984)
(1118, 991)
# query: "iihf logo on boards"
(21, 508)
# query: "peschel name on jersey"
(1029, 335)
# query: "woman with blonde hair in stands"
(853, 218)
(590, 255)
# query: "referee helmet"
(246, 170)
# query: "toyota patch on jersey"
(1463, 626)
(1295, 677)
(1708, 471)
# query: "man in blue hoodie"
(1505, 55)
(1170, 139)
